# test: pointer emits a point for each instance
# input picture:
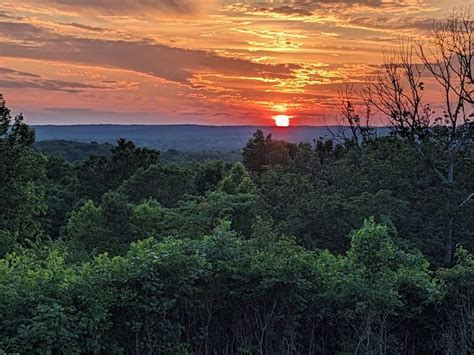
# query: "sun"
(282, 120)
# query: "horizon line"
(187, 124)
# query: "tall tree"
(21, 173)
(256, 151)
(441, 140)
(99, 174)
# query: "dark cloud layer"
(14, 79)
(84, 27)
(12, 72)
(147, 57)
(307, 8)
(49, 85)
(125, 7)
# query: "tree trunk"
(448, 244)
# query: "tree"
(457, 283)
(126, 159)
(61, 194)
(167, 184)
(84, 230)
(440, 140)
(112, 225)
(377, 278)
(21, 189)
(262, 152)
(238, 181)
(208, 175)
(255, 152)
(360, 125)
(99, 174)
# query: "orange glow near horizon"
(282, 120)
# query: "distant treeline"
(73, 151)
(76, 151)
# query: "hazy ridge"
(182, 137)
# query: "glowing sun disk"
(282, 120)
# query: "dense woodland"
(358, 244)
(302, 248)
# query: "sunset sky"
(218, 62)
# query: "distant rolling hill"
(181, 137)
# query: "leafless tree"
(356, 113)
(440, 136)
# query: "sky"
(213, 62)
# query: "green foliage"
(224, 292)
(99, 174)
(263, 152)
(112, 225)
(84, 229)
(208, 174)
(61, 186)
(455, 308)
(376, 279)
(165, 183)
(186, 157)
(238, 181)
(21, 188)
(200, 215)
